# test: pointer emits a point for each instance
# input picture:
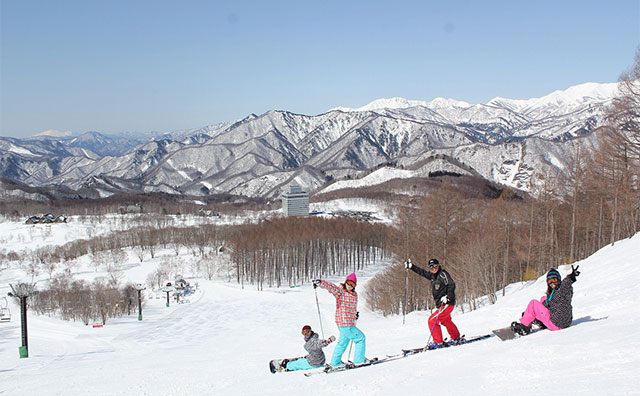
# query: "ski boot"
(435, 345)
(521, 329)
(283, 365)
(539, 324)
(328, 367)
(366, 362)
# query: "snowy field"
(220, 343)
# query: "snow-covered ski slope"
(221, 343)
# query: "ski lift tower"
(140, 287)
(168, 289)
(22, 291)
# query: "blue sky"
(141, 66)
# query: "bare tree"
(32, 267)
(207, 267)
(114, 264)
(83, 301)
(140, 251)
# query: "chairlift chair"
(5, 313)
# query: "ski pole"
(406, 286)
(319, 317)
(349, 354)
(434, 326)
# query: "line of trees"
(104, 298)
(108, 251)
(87, 302)
(293, 250)
(153, 203)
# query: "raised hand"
(574, 273)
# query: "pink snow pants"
(537, 310)
(445, 319)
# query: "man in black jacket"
(444, 293)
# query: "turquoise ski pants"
(349, 333)
(299, 364)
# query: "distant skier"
(554, 308)
(444, 293)
(313, 344)
(346, 316)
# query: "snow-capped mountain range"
(504, 140)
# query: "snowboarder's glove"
(574, 273)
(408, 264)
(330, 340)
(316, 282)
(444, 300)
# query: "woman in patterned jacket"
(346, 316)
(554, 308)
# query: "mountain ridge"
(506, 141)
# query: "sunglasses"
(552, 281)
(306, 332)
(433, 265)
(350, 283)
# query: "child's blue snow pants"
(299, 364)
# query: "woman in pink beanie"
(346, 316)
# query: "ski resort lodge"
(295, 202)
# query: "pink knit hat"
(352, 278)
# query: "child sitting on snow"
(313, 344)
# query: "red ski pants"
(444, 318)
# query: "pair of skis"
(405, 352)
(349, 366)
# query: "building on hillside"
(46, 219)
(137, 208)
(295, 202)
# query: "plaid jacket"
(346, 304)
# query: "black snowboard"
(505, 333)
